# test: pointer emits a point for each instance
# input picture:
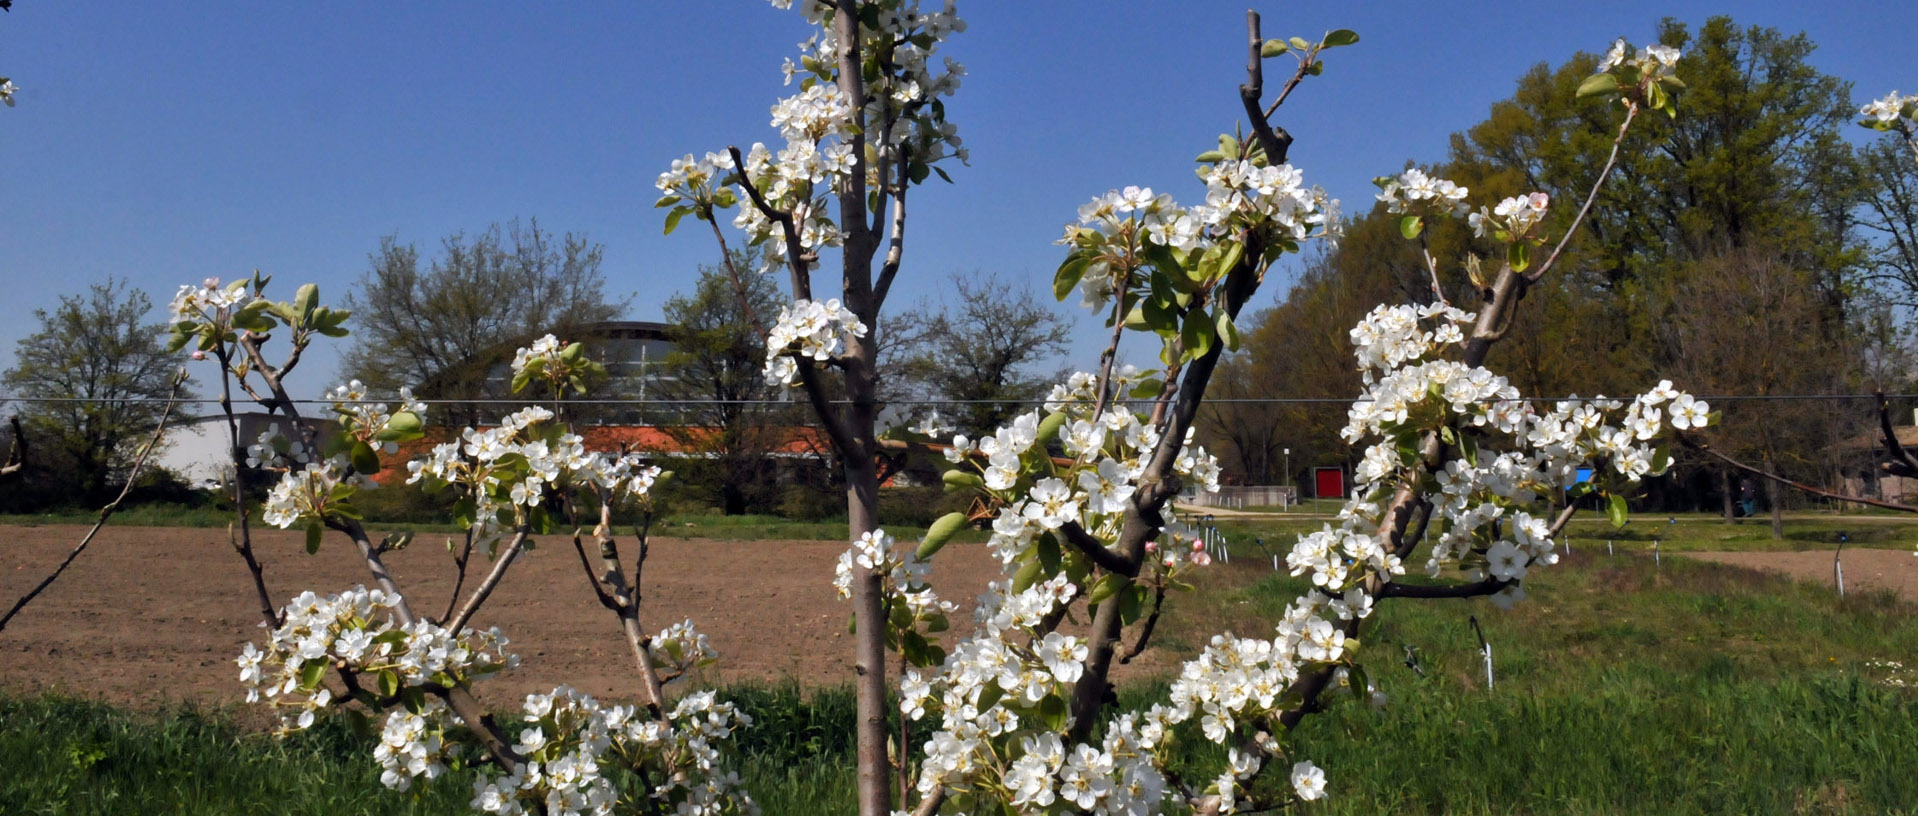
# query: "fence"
(1239, 496)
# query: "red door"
(1328, 483)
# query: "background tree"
(1890, 216)
(1753, 324)
(982, 347)
(444, 329)
(98, 350)
(1756, 168)
(716, 366)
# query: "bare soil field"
(156, 614)
(1894, 570)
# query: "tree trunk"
(1727, 490)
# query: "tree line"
(445, 324)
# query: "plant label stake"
(1485, 648)
(1838, 565)
(1655, 561)
(1608, 547)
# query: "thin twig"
(133, 475)
(1631, 110)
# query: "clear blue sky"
(165, 142)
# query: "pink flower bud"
(211, 283)
(1198, 545)
(1152, 546)
(199, 355)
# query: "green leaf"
(1228, 261)
(1132, 604)
(942, 531)
(672, 218)
(311, 673)
(667, 200)
(948, 180)
(1067, 278)
(1300, 43)
(1519, 255)
(1410, 226)
(1209, 157)
(1597, 85)
(1052, 712)
(402, 426)
(957, 480)
(1050, 555)
(1616, 510)
(1228, 146)
(1339, 37)
(313, 531)
(1049, 427)
(1027, 575)
(364, 459)
(1198, 334)
(1105, 587)
(305, 299)
(389, 681)
(1272, 48)
(990, 695)
(1228, 333)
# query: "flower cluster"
(812, 329)
(1486, 501)
(509, 470)
(272, 449)
(380, 425)
(1512, 219)
(1651, 61)
(1415, 192)
(1092, 489)
(698, 180)
(680, 647)
(1894, 110)
(543, 352)
(903, 124)
(310, 493)
(7, 90)
(1001, 693)
(911, 609)
(356, 630)
(576, 750)
(209, 301)
(1123, 231)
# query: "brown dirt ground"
(1894, 570)
(150, 615)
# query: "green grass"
(1623, 686)
(1692, 532)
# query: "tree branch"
(17, 450)
(1902, 464)
(1106, 559)
(1701, 447)
(1274, 140)
(487, 585)
(795, 250)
